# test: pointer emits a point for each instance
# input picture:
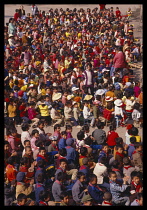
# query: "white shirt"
(25, 136)
(100, 171)
(86, 112)
(129, 104)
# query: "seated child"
(94, 190)
(79, 188)
(53, 146)
(64, 196)
(115, 167)
(107, 199)
(116, 189)
(136, 185)
(80, 140)
(44, 198)
(62, 141)
(112, 135)
(138, 201)
(85, 169)
(137, 156)
(131, 147)
(83, 154)
(21, 199)
(87, 200)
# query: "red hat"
(129, 126)
(7, 100)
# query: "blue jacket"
(71, 154)
(116, 188)
(78, 191)
(102, 154)
(62, 143)
(86, 171)
(131, 149)
(95, 193)
(38, 188)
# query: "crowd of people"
(65, 68)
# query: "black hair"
(6, 142)
(21, 196)
(40, 122)
(119, 146)
(80, 135)
(34, 131)
(111, 172)
(100, 124)
(38, 143)
(68, 127)
(44, 194)
(103, 160)
(63, 160)
(83, 151)
(24, 160)
(136, 173)
(63, 133)
(134, 131)
(42, 148)
(136, 106)
(79, 174)
(92, 177)
(61, 176)
(132, 139)
(40, 178)
(56, 126)
(119, 140)
(63, 152)
(115, 164)
(137, 144)
(25, 126)
(126, 161)
(25, 141)
(88, 140)
(11, 160)
(112, 127)
(107, 196)
(139, 196)
(63, 194)
(85, 128)
(41, 163)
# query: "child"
(104, 153)
(119, 155)
(117, 187)
(29, 155)
(76, 113)
(128, 133)
(129, 13)
(85, 169)
(131, 147)
(41, 164)
(32, 114)
(26, 143)
(21, 199)
(58, 187)
(35, 136)
(25, 135)
(71, 152)
(87, 114)
(128, 168)
(137, 156)
(78, 189)
(134, 133)
(9, 192)
(86, 131)
(68, 131)
(138, 201)
(136, 185)
(39, 186)
(62, 155)
(80, 140)
(94, 190)
(53, 146)
(57, 133)
(11, 172)
(107, 199)
(112, 135)
(136, 115)
(87, 200)
(62, 141)
(83, 154)
(44, 198)
(115, 167)
(64, 196)
(21, 187)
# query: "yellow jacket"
(11, 110)
(44, 111)
(22, 188)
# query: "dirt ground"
(10, 10)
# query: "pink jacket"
(119, 60)
(11, 141)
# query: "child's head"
(83, 151)
(21, 199)
(103, 160)
(6, 145)
(100, 125)
(40, 178)
(93, 179)
(115, 164)
(64, 134)
(138, 146)
(119, 148)
(42, 151)
(53, 140)
(132, 140)
(136, 177)
(61, 176)
(87, 200)
(39, 143)
(63, 152)
(112, 127)
(68, 128)
(85, 128)
(112, 176)
(85, 161)
(136, 106)
(28, 150)
(80, 135)
(107, 196)
(119, 140)
(24, 161)
(25, 127)
(57, 127)
(44, 195)
(63, 163)
(35, 133)
(41, 124)
(41, 163)
(105, 148)
(134, 131)
(12, 160)
(27, 143)
(64, 196)
(88, 140)
(140, 199)
(81, 177)
(126, 161)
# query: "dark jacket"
(38, 188)
(9, 194)
(96, 193)
(86, 171)
(78, 191)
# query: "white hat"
(69, 97)
(53, 138)
(108, 98)
(100, 92)
(118, 102)
(10, 35)
(45, 70)
(56, 96)
(74, 88)
(128, 84)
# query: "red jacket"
(112, 135)
(119, 60)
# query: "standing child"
(53, 146)
(32, 114)
(136, 115)
(68, 131)
(62, 141)
(80, 140)
(35, 136)
(112, 135)
(76, 113)
(57, 133)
